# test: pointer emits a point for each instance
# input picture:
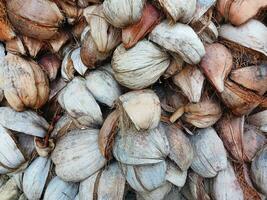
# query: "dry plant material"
(231, 129)
(33, 46)
(191, 81)
(195, 187)
(72, 13)
(210, 154)
(105, 36)
(66, 156)
(242, 35)
(139, 108)
(226, 184)
(120, 13)
(38, 19)
(179, 38)
(139, 66)
(57, 42)
(201, 8)
(217, 64)
(259, 120)
(107, 134)
(50, 64)
(77, 105)
(203, 114)
(251, 77)
(239, 100)
(258, 170)
(130, 111)
(103, 85)
(174, 67)
(253, 141)
(6, 30)
(24, 83)
(90, 55)
(132, 34)
(243, 178)
(239, 12)
(181, 150)
(172, 100)
(16, 46)
(179, 10)
(109, 182)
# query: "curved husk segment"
(190, 80)
(27, 122)
(181, 150)
(259, 119)
(35, 177)
(107, 134)
(139, 148)
(59, 189)
(179, 10)
(259, 170)
(253, 141)
(174, 175)
(226, 184)
(38, 19)
(10, 190)
(105, 36)
(217, 64)
(239, 12)
(108, 182)
(209, 153)
(103, 85)
(144, 178)
(139, 108)
(139, 66)
(90, 55)
(77, 155)
(179, 38)
(242, 35)
(23, 82)
(158, 193)
(6, 31)
(240, 101)
(11, 156)
(133, 33)
(77, 105)
(121, 13)
(230, 129)
(203, 114)
(251, 77)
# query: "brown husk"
(230, 129)
(107, 134)
(6, 31)
(239, 12)
(252, 77)
(132, 34)
(239, 100)
(242, 175)
(217, 64)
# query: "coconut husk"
(249, 191)
(6, 31)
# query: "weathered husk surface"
(139, 66)
(258, 170)
(23, 82)
(132, 147)
(38, 19)
(209, 153)
(179, 38)
(77, 156)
